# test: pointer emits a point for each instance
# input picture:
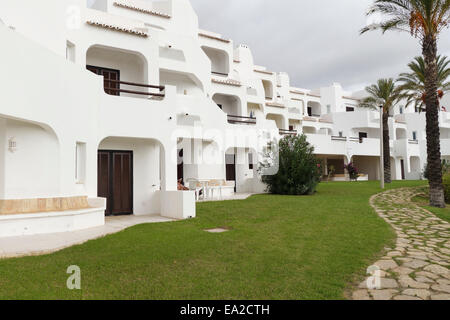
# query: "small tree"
(299, 170)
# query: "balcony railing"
(241, 120)
(412, 141)
(220, 73)
(284, 132)
(338, 138)
(114, 88)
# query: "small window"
(362, 135)
(328, 108)
(341, 134)
(414, 135)
(401, 109)
(350, 109)
(80, 162)
(250, 161)
(70, 51)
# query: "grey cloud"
(316, 42)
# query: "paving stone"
(394, 254)
(440, 297)
(424, 279)
(403, 270)
(408, 282)
(361, 295)
(382, 294)
(385, 283)
(421, 293)
(405, 297)
(415, 264)
(386, 264)
(441, 287)
(436, 269)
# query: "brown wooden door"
(180, 165)
(115, 181)
(230, 166)
(111, 88)
(402, 165)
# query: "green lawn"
(279, 247)
(423, 201)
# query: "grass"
(423, 201)
(278, 247)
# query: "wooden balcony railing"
(285, 132)
(114, 88)
(241, 120)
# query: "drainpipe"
(381, 149)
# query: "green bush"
(447, 187)
(299, 170)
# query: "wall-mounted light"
(12, 144)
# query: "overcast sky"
(316, 41)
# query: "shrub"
(352, 171)
(447, 187)
(299, 170)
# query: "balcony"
(284, 132)
(358, 119)
(363, 146)
(232, 119)
(113, 87)
(327, 145)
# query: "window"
(328, 108)
(350, 109)
(70, 51)
(401, 109)
(362, 135)
(250, 161)
(80, 162)
(341, 134)
(414, 135)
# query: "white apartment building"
(105, 105)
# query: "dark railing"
(117, 90)
(220, 73)
(339, 138)
(241, 120)
(412, 141)
(285, 132)
(356, 139)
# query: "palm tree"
(423, 19)
(413, 83)
(383, 94)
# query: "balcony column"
(169, 167)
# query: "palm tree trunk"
(429, 51)
(386, 148)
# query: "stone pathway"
(418, 267)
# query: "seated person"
(181, 186)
